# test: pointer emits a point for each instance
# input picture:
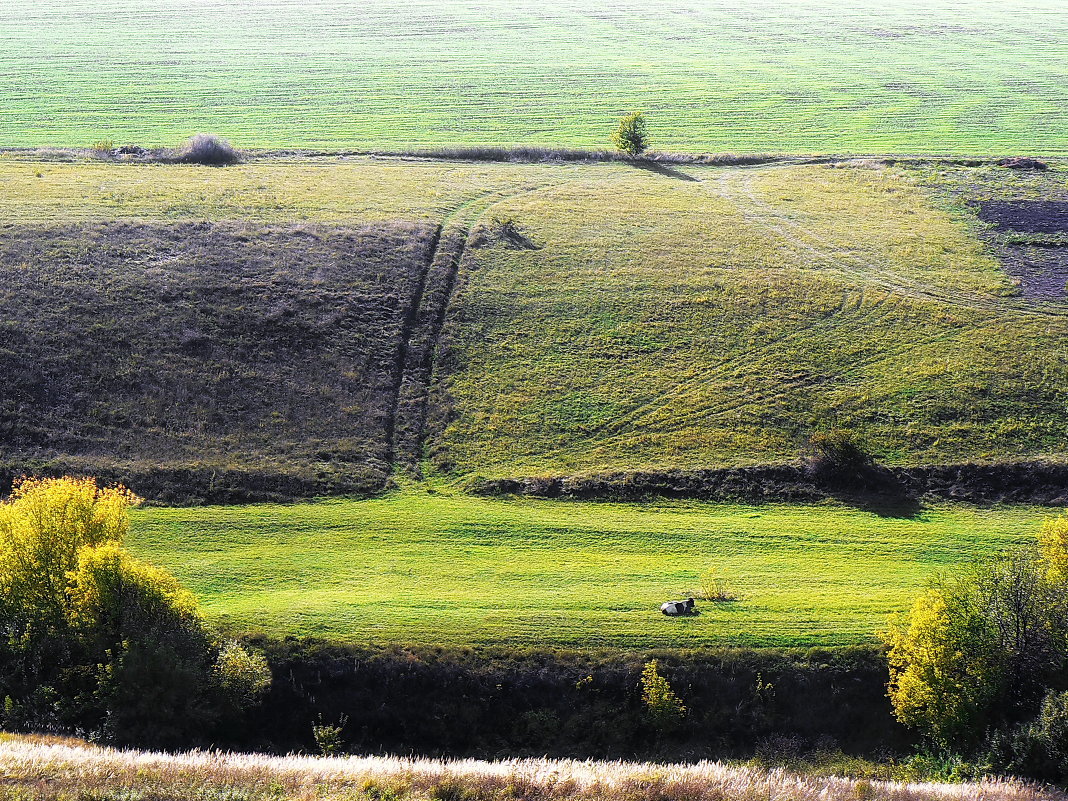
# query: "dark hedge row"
(570, 704)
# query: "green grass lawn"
(436, 568)
(825, 76)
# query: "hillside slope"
(239, 358)
(706, 317)
(272, 329)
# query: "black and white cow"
(675, 608)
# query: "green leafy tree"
(632, 134)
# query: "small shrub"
(208, 149)
(328, 736)
(103, 146)
(863, 790)
(242, 674)
(505, 232)
(839, 457)
(663, 708)
(715, 587)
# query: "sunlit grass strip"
(52, 769)
(487, 571)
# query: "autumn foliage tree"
(979, 663)
(663, 708)
(95, 639)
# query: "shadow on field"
(876, 490)
(901, 505)
(662, 169)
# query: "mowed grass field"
(974, 78)
(435, 568)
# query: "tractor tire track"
(722, 371)
(421, 333)
(808, 241)
(794, 235)
(416, 357)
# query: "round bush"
(208, 149)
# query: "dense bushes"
(980, 664)
(97, 641)
(496, 702)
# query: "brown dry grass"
(49, 768)
(263, 353)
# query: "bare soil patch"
(1040, 261)
(1041, 271)
(1026, 216)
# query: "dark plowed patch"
(1029, 243)
(1042, 271)
(1026, 216)
(234, 348)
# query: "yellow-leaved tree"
(980, 657)
(1053, 544)
(663, 708)
(96, 639)
(43, 527)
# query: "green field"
(415, 567)
(981, 77)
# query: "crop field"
(436, 568)
(598, 317)
(844, 76)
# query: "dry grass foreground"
(51, 768)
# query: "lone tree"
(632, 135)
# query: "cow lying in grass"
(677, 608)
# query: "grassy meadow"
(844, 76)
(438, 568)
(718, 316)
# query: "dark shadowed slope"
(219, 361)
